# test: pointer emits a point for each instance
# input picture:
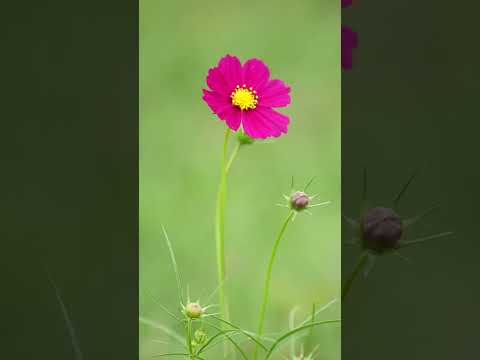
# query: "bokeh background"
(180, 144)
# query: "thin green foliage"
(402, 192)
(173, 334)
(409, 222)
(164, 308)
(290, 333)
(68, 322)
(310, 335)
(246, 333)
(318, 311)
(266, 286)
(308, 184)
(405, 244)
(216, 336)
(362, 260)
(177, 354)
(174, 264)
(228, 337)
(291, 326)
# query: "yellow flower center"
(245, 98)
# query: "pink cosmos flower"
(243, 95)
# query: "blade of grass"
(217, 335)
(174, 264)
(323, 308)
(268, 276)
(291, 326)
(310, 333)
(246, 333)
(294, 331)
(163, 307)
(239, 349)
(68, 321)
(234, 343)
(176, 354)
(163, 328)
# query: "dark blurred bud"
(299, 200)
(381, 229)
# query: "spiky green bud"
(200, 337)
(193, 310)
(299, 200)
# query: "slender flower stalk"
(188, 338)
(232, 157)
(362, 260)
(266, 286)
(220, 227)
(220, 219)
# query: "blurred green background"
(180, 144)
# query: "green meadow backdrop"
(180, 145)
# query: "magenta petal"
(275, 94)
(255, 73)
(277, 121)
(275, 129)
(217, 83)
(261, 122)
(216, 102)
(231, 70)
(252, 126)
(234, 118)
(264, 122)
(221, 106)
(267, 128)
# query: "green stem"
(189, 339)
(356, 270)
(310, 333)
(220, 227)
(266, 286)
(227, 170)
(232, 157)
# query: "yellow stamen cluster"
(245, 98)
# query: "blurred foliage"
(180, 144)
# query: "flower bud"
(299, 200)
(244, 139)
(200, 337)
(381, 229)
(193, 310)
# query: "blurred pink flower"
(349, 42)
(349, 39)
(243, 95)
